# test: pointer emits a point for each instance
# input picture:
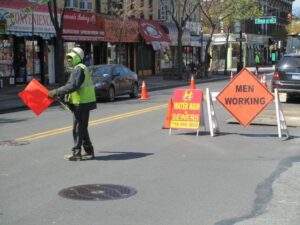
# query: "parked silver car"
(111, 80)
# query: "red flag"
(35, 96)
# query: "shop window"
(33, 64)
(6, 57)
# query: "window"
(142, 16)
(100, 72)
(72, 4)
(85, 5)
(150, 3)
(113, 5)
(98, 6)
(126, 70)
(118, 71)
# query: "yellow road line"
(91, 123)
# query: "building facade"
(262, 38)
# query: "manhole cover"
(97, 192)
(13, 143)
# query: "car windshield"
(289, 62)
(104, 71)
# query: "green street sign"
(266, 20)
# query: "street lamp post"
(201, 49)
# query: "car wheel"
(135, 91)
(111, 94)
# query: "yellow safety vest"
(86, 92)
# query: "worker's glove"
(52, 93)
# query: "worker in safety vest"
(79, 93)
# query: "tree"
(241, 10)
(57, 18)
(221, 13)
(293, 27)
(181, 12)
(121, 22)
(281, 33)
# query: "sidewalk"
(10, 101)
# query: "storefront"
(153, 45)
(122, 38)
(24, 42)
(170, 55)
(251, 44)
(87, 31)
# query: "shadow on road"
(121, 155)
(12, 120)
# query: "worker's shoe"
(76, 156)
(88, 153)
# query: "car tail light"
(276, 75)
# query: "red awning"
(151, 31)
(81, 26)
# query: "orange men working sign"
(186, 110)
(245, 97)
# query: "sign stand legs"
(281, 122)
(213, 123)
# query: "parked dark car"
(286, 77)
(111, 80)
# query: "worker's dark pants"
(80, 129)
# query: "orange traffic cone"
(263, 81)
(192, 86)
(168, 115)
(144, 95)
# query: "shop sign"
(19, 21)
(151, 30)
(186, 110)
(80, 23)
(245, 97)
(163, 10)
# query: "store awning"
(196, 41)
(21, 24)
(45, 36)
(123, 31)
(153, 34)
(75, 38)
(82, 26)
(173, 35)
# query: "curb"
(149, 89)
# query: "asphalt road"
(244, 176)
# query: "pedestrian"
(273, 57)
(257, 61)
(79, 93)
